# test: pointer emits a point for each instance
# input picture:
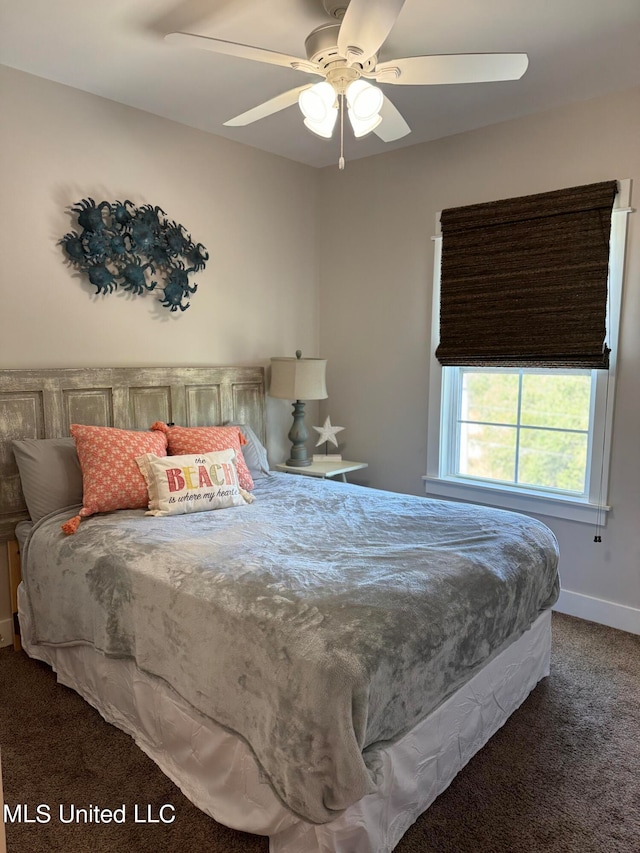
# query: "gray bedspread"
(316, 623)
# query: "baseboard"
(6, 632)
(598, 610)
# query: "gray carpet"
(563, 775)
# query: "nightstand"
(325, 469)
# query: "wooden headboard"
(44, 403)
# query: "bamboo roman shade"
(524, 280)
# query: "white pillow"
(192, 483)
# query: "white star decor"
(327, 433)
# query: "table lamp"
(298, 379)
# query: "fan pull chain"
(341, 160)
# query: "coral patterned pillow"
(186, 440)
(111, 478)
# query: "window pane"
(555, 460)
(556, 400)
(488, 452)
(490, 397)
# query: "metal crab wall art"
(118, 242)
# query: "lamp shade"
(323, 128)
(316, 101)
(298, 378)
(363, 126)
(364, 100)
(318, 105)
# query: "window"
(525, 428)
(533, 439)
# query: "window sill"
(572, 509)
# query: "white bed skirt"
(216, 770)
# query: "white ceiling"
(577, 49)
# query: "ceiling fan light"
(364, 99)
(317, 101)
(360, 127)
(325, 127)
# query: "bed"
(379, 639)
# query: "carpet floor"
(562, 776)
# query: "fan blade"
(453, 68)
(244, 51)
(365, 26)
(392, 126)
(274, 105)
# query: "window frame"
(591, 508)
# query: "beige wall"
(375, 309)
(253, 211)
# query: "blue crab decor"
(136, 248)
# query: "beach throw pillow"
(192, 483)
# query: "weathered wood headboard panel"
(44, 403)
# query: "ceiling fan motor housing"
(321, 46)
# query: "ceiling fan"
(344, 53)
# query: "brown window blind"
(524, 280)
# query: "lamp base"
(298, 463)
(297, 436)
